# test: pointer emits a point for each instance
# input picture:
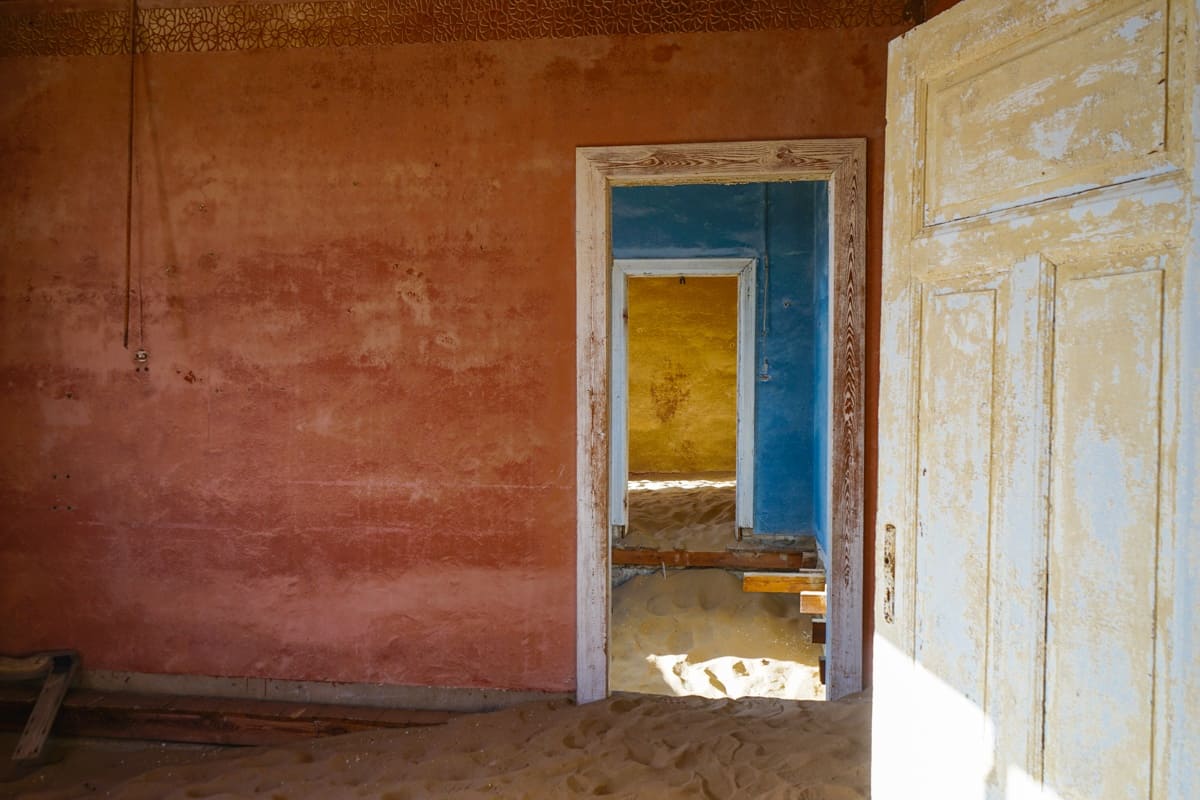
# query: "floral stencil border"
(346, 23)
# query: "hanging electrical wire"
(129, 175)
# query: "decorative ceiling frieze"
(29, 30)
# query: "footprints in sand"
(630, 746)
(588, 734)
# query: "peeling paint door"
(1038, 528)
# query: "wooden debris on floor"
(208, 720)
(55, 669)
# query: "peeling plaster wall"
(352, 455)
(682, 374)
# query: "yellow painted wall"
(682, 374)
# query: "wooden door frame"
(841, 162)
(745, 271)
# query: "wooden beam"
(809, 580)
(208, 720)
(812, 602)
(769, 543)
(818, 630)
(45, 708)
(56, 669)
(726, 559)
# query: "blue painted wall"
(792, 385)
(784, 226)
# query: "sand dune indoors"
(630, 746)
(696, 632)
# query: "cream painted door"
(1038, 531)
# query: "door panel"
(955, 416)
(981, 424)
(953, 491)
(1037, 458)
(1104, 515)
(1053, 122)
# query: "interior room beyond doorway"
(697, 331)
(682, 374)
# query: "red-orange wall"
(353, 455)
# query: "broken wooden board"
(58, 669)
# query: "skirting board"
(433, 698)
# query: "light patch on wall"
(682, 374)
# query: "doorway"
(662, 449)
(839, 163)
(684, 337)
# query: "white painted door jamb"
(744, 269)
(841, 162)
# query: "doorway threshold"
(735, 559)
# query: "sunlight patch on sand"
(695, 632)
(735, 677)
(666, 483)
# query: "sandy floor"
(692, 512)
(695, 631)
(631, 746)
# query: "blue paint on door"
(785, 227)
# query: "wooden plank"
(45, 708)
(818, 630)
(847, 471)
(812, 580)
(647, 557)
(812, 602)
(768, 543)
(592, 582)
(24, 669)
(210, 720)
(802, 159)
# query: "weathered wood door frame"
(841, 162)
(745, 271)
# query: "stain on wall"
(682, 374)
(365, 257)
